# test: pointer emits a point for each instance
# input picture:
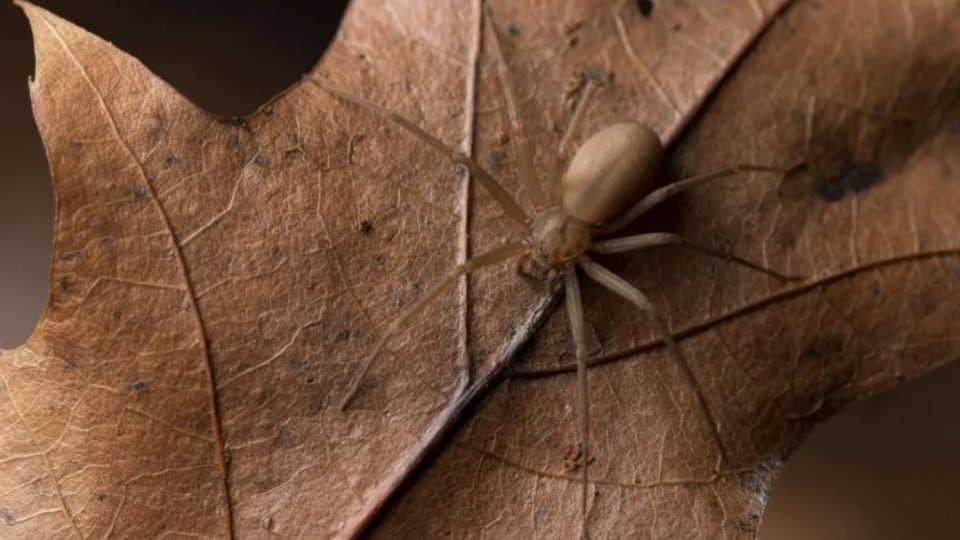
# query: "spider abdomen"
(611, 171)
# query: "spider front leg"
(633, 295)
(528, 173)
(560, 161)
(500, 195)
(489, 258)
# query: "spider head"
(557, 239)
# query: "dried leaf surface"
(216, 284)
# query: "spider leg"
(559, 161)
(489, 258)
(527, 173)
(657, 196)
(633, 295)
(643, 241)
(577, 328)
(504, 199)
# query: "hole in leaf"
(228, 57)
(881, 469)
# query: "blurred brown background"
(888, 468)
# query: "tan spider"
(606, 186)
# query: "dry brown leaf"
(216, 284)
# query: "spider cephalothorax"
(557, 239)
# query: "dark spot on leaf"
(139, 193)
(138, 386)
(415, 286)
(366, 227)
(361, 56)
(238, 121)
(71, 362)
(169, 161)
(855, 182)
(259, 159)
(8, 516)
(512, 29)
(298, 364)
(595, 74)
(160, 128)
(65, 284)
(822, 345)
(310, 380)
(101, 496)
(461, 169)
(287, 437)
(343, 335)
(493, 160)
(746, 526)
(645, 7)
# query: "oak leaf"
(216, 283)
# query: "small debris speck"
(366, 227)
(238, 121)
(512, 29)
(139, 193)
(259, 159)
(8, 516)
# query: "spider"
(605, 186)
